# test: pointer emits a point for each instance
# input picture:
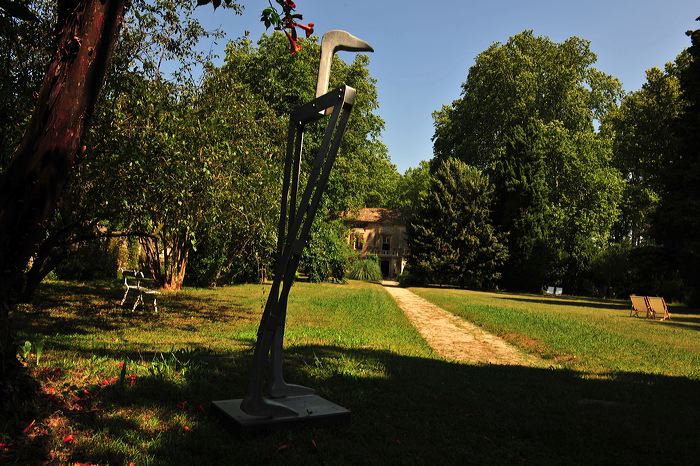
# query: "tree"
(86, 32)
(526, 118)
(93, 202)
(644, 141)
(363, 174)
(451, 237)
(678, 220)
(412, 185)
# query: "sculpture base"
(313, 411)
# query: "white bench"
(135, 289)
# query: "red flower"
(121, 363)
(132, 380)
(290, 4)
(294, 44)
(308, 29)
(182, 405)
(68, 438)
(186, 428)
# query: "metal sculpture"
(284, 399)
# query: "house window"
(386, 243)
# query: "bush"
(366, 269)
(326, 255)
(96, 259)
(408, 278)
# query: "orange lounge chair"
(639, 304)
(657, 308)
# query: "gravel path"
(455, 338)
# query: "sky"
(423, 50)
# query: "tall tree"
(86, 33)
(526, 117)
(678, 220)
(363, 174)
(644, 141)
(450, 235)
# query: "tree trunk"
(176, 271)
(29, 190)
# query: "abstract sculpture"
(286, 402)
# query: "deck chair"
(558, 291)
(550, 290)
(657, 308)
(639, 304)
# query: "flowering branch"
(288, 22)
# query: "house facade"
(381, 232)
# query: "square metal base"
(313, 411)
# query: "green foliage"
(678, 220)
(622, 269)
(451, 237)
(95, 259)
(326, 255)
(363, 175)
(644, 142)
(365, 268)
(411, 187)
(526, 117)
(25, 49)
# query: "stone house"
(381, 232)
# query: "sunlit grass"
(581, 334)
(354, 346)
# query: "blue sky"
(423, 50)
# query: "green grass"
(356, 347)
(581, 334)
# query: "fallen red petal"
(26, 429)
(284, 446)
(68, 438)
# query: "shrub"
(366, 269)
(326, 255)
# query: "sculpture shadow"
(414, 410)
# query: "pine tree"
(451, 238)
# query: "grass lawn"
(355, 346)
(589, 335)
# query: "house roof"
(374, 215)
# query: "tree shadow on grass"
(410, 410)
(606, 305)
(94, 306)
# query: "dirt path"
(455, 338)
